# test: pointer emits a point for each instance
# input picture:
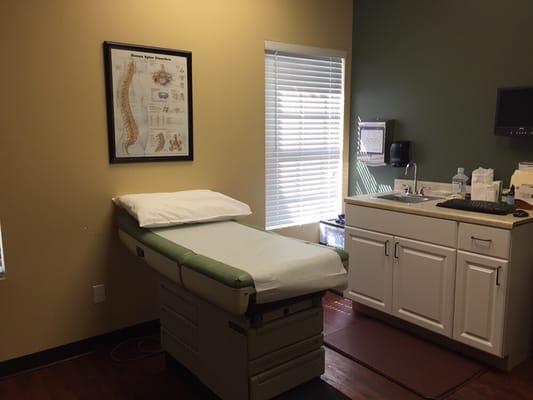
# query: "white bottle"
(459, 182)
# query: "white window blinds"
(304, 101)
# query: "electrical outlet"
(98, 293)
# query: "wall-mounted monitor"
(514, 112)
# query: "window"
(304, 112)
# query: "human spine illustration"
(130, 126)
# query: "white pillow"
(154, 210)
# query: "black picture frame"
(129, 131)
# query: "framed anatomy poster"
(149, 103)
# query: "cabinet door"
(370, 268)
(480, 301)
(423, 284)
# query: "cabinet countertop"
(429, 209)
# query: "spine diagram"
(130, 126)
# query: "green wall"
(434, 67)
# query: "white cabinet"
(481, 288)
(370, 276)
(472, 282)
(409, 279)
(423, 284)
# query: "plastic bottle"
(459, 182)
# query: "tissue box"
(482, 175)
(486, 191)
(483, 185)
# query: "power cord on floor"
(135, 349)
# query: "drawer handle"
(387, 248)
(498, 275)
(481, 240)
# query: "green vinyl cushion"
(223, 273)
(169, 249)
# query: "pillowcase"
(155, 210)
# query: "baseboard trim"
(68, 351)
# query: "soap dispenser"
(400, 153)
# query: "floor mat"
(420, 366)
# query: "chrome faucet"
(412, 190)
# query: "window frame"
(308, 52)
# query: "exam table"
(239, 307)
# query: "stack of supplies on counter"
(484, 187)
(522, 180)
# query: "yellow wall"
(56, 182)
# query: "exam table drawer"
(284, 354)
(179, 327)
(281, 312)
(286, 376)
(178, 303)
(174, 346)
(284, 331)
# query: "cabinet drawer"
(484, 240)
(426, 229)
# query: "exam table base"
(254, 356)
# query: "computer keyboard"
(487, 207)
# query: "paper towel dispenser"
(373, 142)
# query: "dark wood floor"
(95, 376)
(361, 383)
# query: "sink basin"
(407, 198)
